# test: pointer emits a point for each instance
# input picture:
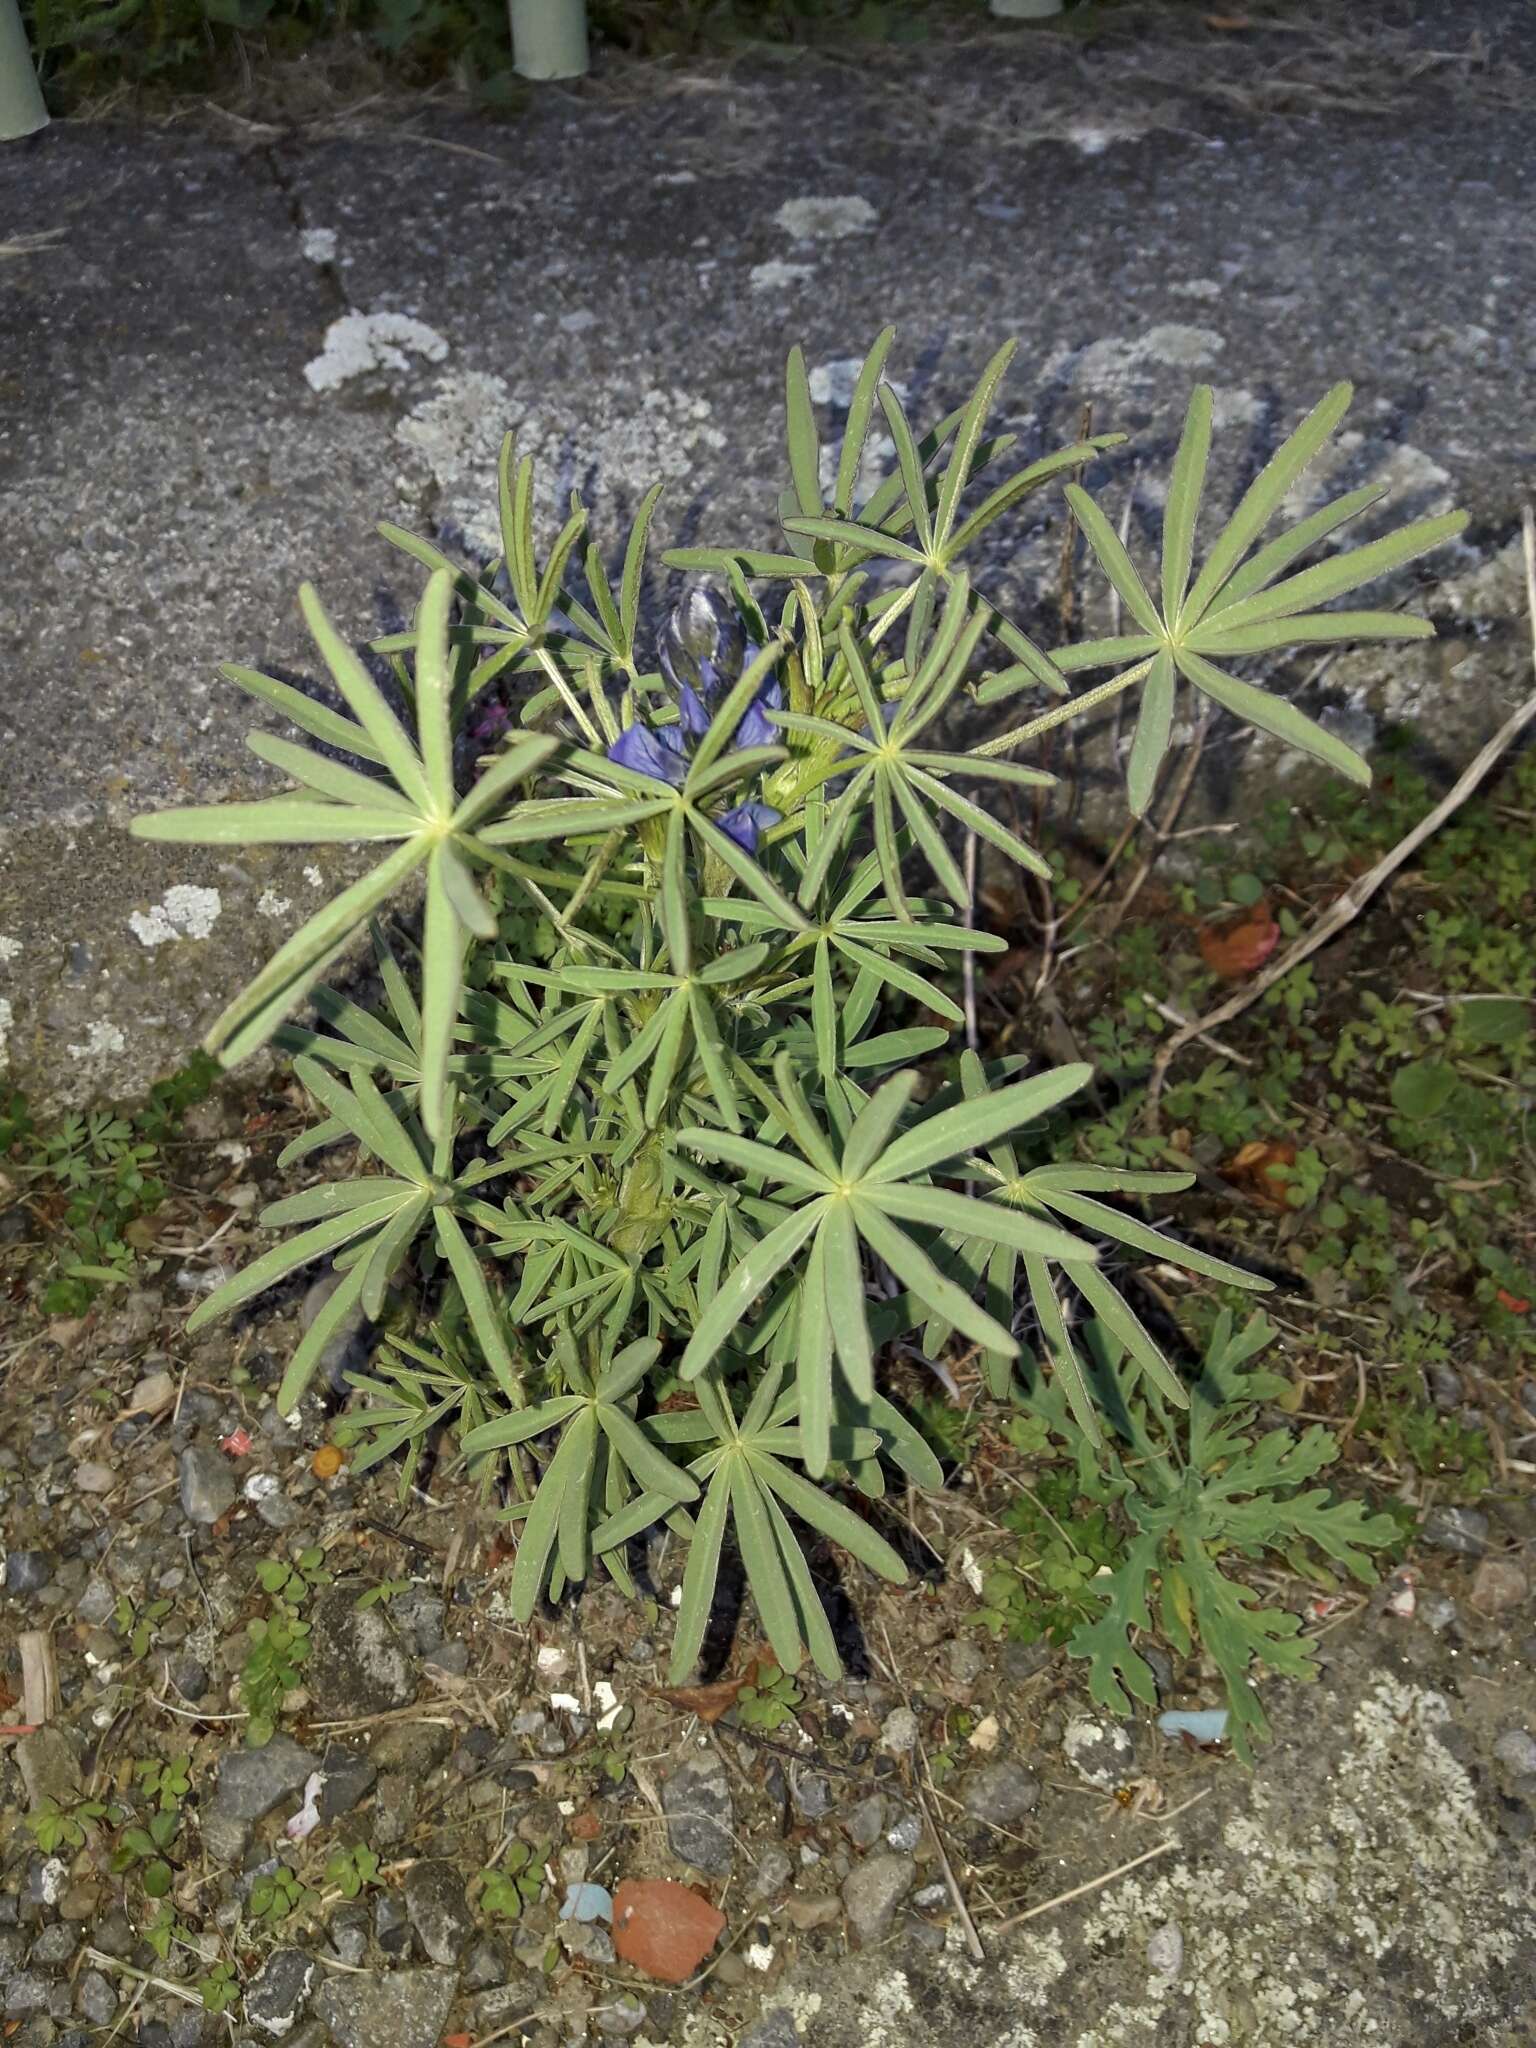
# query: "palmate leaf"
(904, 781)
(1231, 611)
(598, 1431)
(417, 807)
(865, 1189)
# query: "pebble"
(49, 1767)
(438, 1909)
(775, 2029)
(1100, 1752)
(813, 1909)
(26, 1992)
(626, 2015)
(898, 1732)
(55, 1945)
(348, 1930)
(1445, 1386)
(1165, 1950)
(387, 2008)
(1002, 1794)
(207, 1484)
(93, 1478)
(349, 1778)
(700, 1816)
(95, 2000)
(905, 1832)
(1516, 1751)
(872, 1892)
(27, 1572)
(775, 1869)
(863, 1823)
(97, 1603)
(356, 1663)
(812, 1796)
(1462, 1531)
(275, 1998)
(1499, 1585)
(252, 1781)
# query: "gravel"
(700, 1816)
(871, 1894)
(207, 1484)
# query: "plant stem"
(1060, 713)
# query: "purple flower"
(747, 822)
(661, 755)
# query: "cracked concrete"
(619, 277)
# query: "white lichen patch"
(270, 904)
(825, 220)
(319, 244)
(1092, 138)
(7, 1019)
(188, 912)
(9, 949)
(614, 441)
(778, 277)
(1233, 407)
(1287, 1931)
(1120, 363)
(360, 342)
(102, 1040)
(1196, 288)
(313, 876)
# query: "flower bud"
(702, 644)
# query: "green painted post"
(21, 101)
(549, 38)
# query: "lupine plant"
(681, 1177)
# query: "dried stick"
(1080, 1890)
(39, 1676)
(1346, 907)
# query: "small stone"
(79, 1903)
(356, 1665)
(905, 1831)
(27, 1572)
(1025, 1660)
(775, 2029)
(26, 1992)
(391, 1926)
(95, 2000)
(414, 1747)
(388, 2009)
(1499, 1585)
(775, 1869)
(96, 1604)
(697, 1802)
(394, 1809)
(966, 1660)
(438, 1909)
(274, 2000)
(898, 1732)
(55, 1945)
(189, 1678)
(49, 1767)
(252, 1781)
(1445, 1386)
(863, 1823)
(872, 1892)
(1516, 1751)
(812, 1795)
(1165, 1951)
(487, 1965)
(1100, 1752)
(1462, 1531)
(1437, 1611)
(93, 1478)
(208, 1487)
(626, 2015)
(1001, 1794)
(813, 1909)
(348, 1930)
(349, 1778)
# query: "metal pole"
(549, 38)
(21, 101)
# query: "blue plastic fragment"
(587, 1902)
(1206, 1726)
